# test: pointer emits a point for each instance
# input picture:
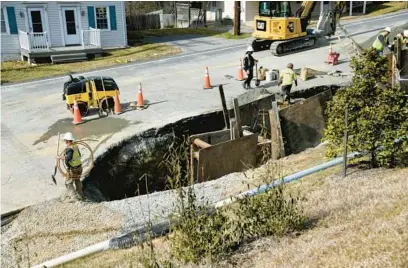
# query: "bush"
(200, 232)
(377, 113)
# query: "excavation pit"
(125, 169)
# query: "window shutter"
(91, 17)
(112, 15)
(12, 20)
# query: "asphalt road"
(33, 112)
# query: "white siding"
(211, 8)
(251, 10)
(109, 39)
(228, 10)
(10, 44)
(54, 23)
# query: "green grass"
(140, 35)
(17, 71)
(377, 10)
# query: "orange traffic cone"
(77, 114)
(207, 83)
(140, 101)
(240, 72)
(118, 107)
(330, 50)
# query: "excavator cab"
(90, 92)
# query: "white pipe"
(75, 255)
(351, 8)
(321, 7)
(364, 7)
(284, 180)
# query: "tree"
(378, 113)
(237, 17)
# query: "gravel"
(54, 228)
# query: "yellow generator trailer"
(90, 92)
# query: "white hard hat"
(406, 33)
(387, 29)
(250, 49)
(69, 137)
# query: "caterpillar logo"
(261, 25)
(291, 27)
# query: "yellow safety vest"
(403, 40)
(76, 157)
(377, 43)
(287, 77)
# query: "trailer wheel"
(83, 108)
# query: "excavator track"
(281, 48)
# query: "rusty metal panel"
(303, 123)
(227, 157)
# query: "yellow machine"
(282, 32)
(90, 92)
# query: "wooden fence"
(143, 22)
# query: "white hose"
(75, 255)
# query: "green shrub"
(377, 113)
(199, 232)
(271, 213)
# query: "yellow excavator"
(283, 33)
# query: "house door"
(71, 29)
(37, 28)
(36, 20)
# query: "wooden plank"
(224, 106)
(238, 117)
(192, 164)
(233, 129)
(278, 149)
(345, 141)
(227, 157)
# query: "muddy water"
(90, 128)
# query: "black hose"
(139, 236)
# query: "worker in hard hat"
(249, 63)
(72, 158)
(286, 79)
(402, 38)
(382, 41)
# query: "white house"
(61, 30)
(249, 9)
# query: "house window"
(101, 18)
(4, 28)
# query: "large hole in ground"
(117, 173)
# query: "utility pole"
(189, 14)
(237, 17)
